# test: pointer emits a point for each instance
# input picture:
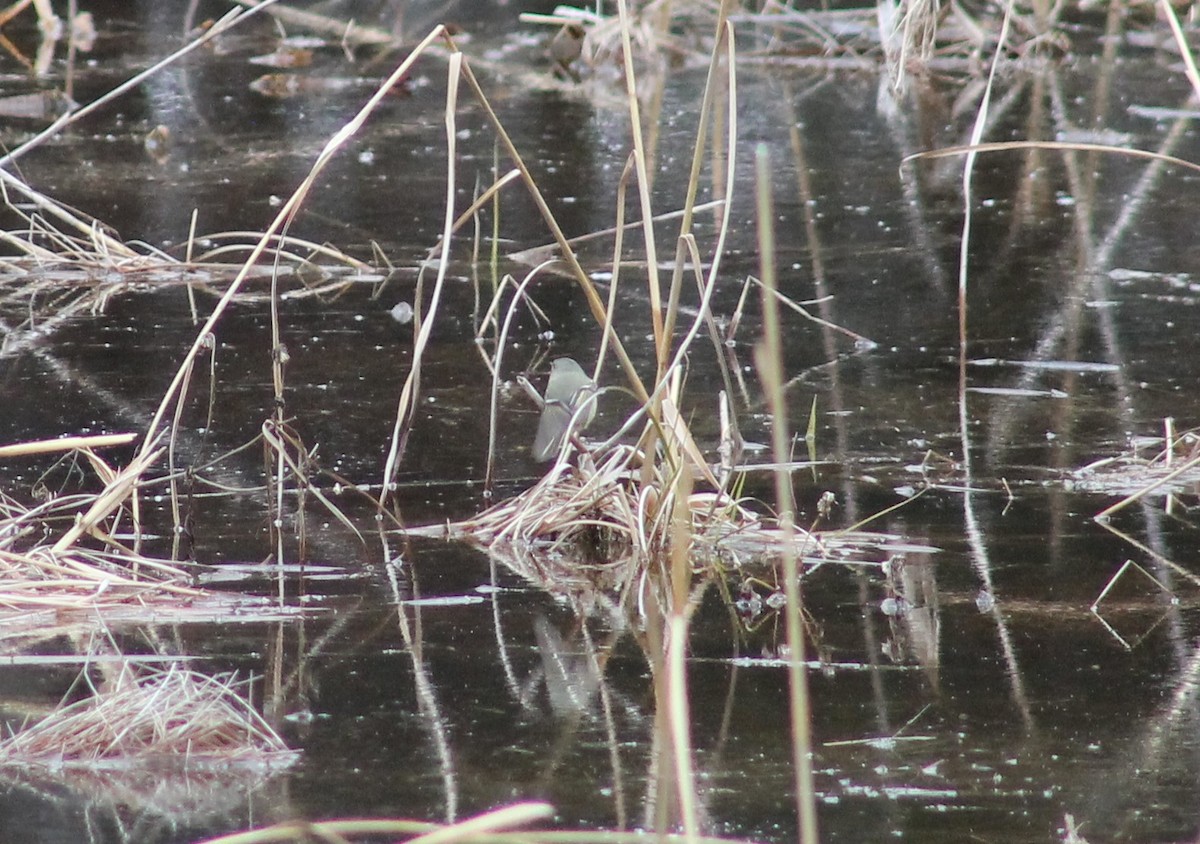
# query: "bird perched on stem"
(565, 47)
(570, 391)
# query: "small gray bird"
(568, 390)
(565, 47)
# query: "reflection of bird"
(565, 47)
(568, 390)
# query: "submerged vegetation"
(644, 524)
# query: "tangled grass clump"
(192, 719)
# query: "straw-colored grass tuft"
(573, 503)
(43, 577)
(63, 553)
(173, 716)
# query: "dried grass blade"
(824, 323)
(535, 254)
(277, 444)
(65, 444)
(674, 423)
(1008, 146)
(490, 822)
(115, 493)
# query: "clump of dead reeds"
(61, 552)
(171, 714)
(907, 38)
(599, 512)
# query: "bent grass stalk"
(618, 246)
(496, 365)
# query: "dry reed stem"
(661, 341)
(674, 661)
(614, 284)
(65, 444)
(768, 357)
(724, 31)
(488, 827)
